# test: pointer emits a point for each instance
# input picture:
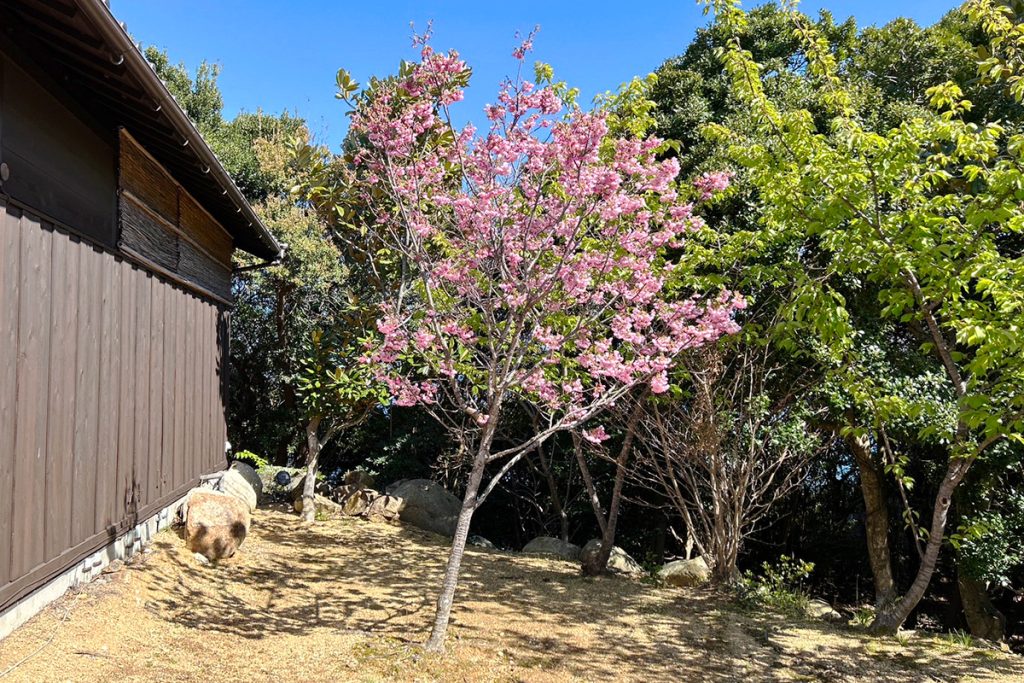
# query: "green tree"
(278, 307)
(922, 211)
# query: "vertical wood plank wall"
(111, 397)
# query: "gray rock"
(357, 503)
(247, 471)
(819, 609)
(549, 545)
(296, 488)
(359, 479)
(385, 508)
(619, 561)
(480, 542)
(427, 505)
(685, 573)
(234, 483)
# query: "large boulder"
(359, 479)
(619, 561)
(549, 545)
(357, 503)
(427, 505)
(247, 471)
(234, 483)
(384, 509)
(685, 573)
(216, 523)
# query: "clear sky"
(284, 54)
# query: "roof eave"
(114, 33)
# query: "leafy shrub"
(253, 459)
(988, 541)
(779, 586)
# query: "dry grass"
(349, 600)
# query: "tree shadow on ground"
(290, 579)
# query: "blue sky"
(284, 54)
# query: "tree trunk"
(876, 514)
(289, 401)
(451, 574)
(889, 619)
(660, 537)
(312, 460)
(556, 499)
(724, 571)
(598, 563)
(588, 483)
(984, 620)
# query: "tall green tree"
(278, 307)
(923, 211)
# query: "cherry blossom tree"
(535, 262)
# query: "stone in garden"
(549, 545)
(295, 492)
(358, 502)
(247, 471)
(480, 542)
(619, 562)
(385, 508)
(324, 506)
(685, 573)
(234, 483)
(819, 609)
(428, 505)
(339, 493)
(359, 479)
(216, 523)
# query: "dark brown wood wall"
(57, 162)
(111, 397)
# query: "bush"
(253, 459)
(779, 586)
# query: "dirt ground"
(349, 600)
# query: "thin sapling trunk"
(446, 599)
(312, 462)
(598, 563)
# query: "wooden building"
(117, 227)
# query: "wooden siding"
(166, 229)
(58, 163)
(111, 397)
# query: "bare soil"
(347, 600)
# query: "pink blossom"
(542, 271)
(710, 183)
(596, 435)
